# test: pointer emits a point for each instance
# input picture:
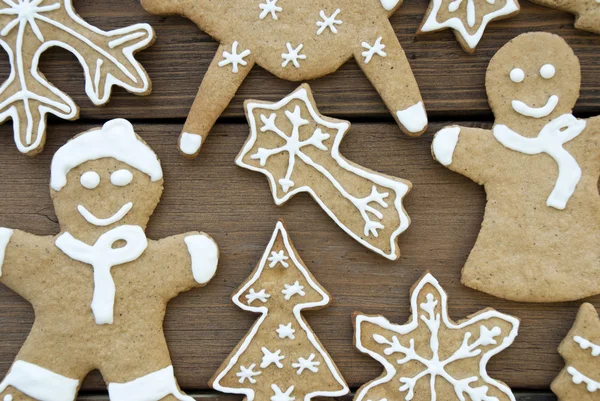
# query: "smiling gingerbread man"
(100, 288)
(540, 237)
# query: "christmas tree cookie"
(431, 357)
(540, 237)
(280, 359)
(587, 12)
(297, 44)
(100, 288)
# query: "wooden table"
(235, 206)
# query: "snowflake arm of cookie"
(107, 58)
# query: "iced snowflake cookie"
(296, 43)
(297, 148)
(280, 359)
(100, 288)
(580, 379)
(27, 29)
(468, 18)
(431, 357)
(587, 12)
(540, 237)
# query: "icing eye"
(121, 178)
(517, 75)
(90, 180)
(547, 71)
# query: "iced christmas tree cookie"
(431, 357)
(100, 288)
(280, 359)
(297, 148)
(27, 29)
(540, 237)
(297, 44)
(587, 12)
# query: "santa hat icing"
(115, 139)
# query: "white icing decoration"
(550, 141)
(102, 257)
(328, 22)
(190, 143)
(294, 149)
(152, 387)
(391, 4)
(280, 395)
(262, 296)
(247, 374)
(413, 118)
(8, 397)
(377, 48)
(39, 383)
(115, 139)
(90, 218)
(27, 14)
(517, 75)
(431, 24)
(278, 258)
(433, 365)
(121, 178)
(536, 112)
(444, 144)
(591, 385)
(309, 364)
(90, 180)
(294, 289)
(586, 344)
(205, 257)
(270, 7)
(286, 331)
(293, 55)
(452, 7)
(271, 358)
(5, 236)
(297, 310)
(547, 71)
(234, 58)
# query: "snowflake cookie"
(280, 359)
(539, 165)
(580, 379)
(468, 18)
(297, 148)
(296, 44)
(587, 12)
(27, 29)
(431, 354)
(100, 288)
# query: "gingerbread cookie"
(280, 359)
(587, 12)
(297, 44)
(100, 288)
(28, 29)
(580, 379)
(433, 355)
(297, 148)
(540, 237)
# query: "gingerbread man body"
(100, 288)
(540, 237)
(296, 43)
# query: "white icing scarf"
(550, 141)
(103, 257)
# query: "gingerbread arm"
(225, 75)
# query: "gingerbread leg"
(384, 63)
(226, 73)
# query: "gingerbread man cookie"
(100, 288)
(540, 237)
(587, 12)
(296, 43)
(30, 27)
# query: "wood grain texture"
(235, 206)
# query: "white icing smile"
(536, 112)
(90, 218)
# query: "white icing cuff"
(205, 257)
(444, 144)
(152, 387)
(414, 118)
(189, 144)
(39, 383)
(5, 235)
(389, 4)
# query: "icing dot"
(517, 75)
(547, 71)
(90, 180)
(8, 397)
(121, 178)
